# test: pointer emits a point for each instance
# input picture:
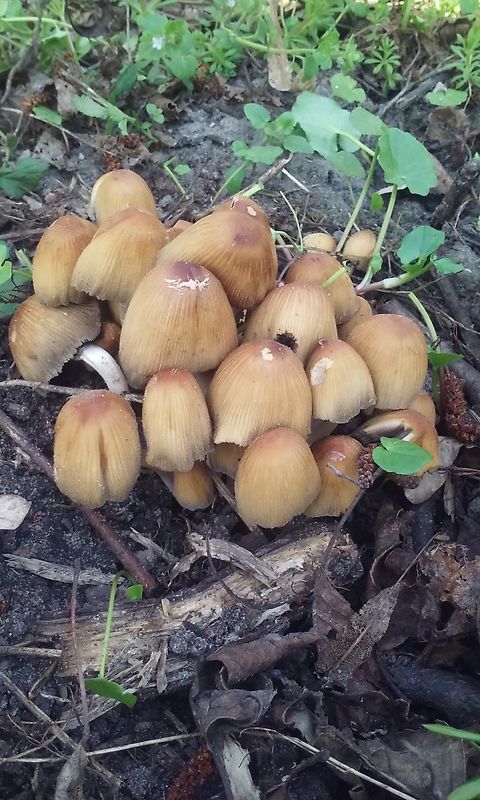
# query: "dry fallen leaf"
(279, 72)
(13, 510)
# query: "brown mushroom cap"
(302, 310)
(340, 381)
(277, 479)
(55, 257)
(320, 241)
(96, 448)
(424, 404)
(363, 312)
(318, 268)
(175, 421)
(118, 190)
(395, 352)
(333, 455)
(180, 226)
(405, 424)
(193, 489)
(260, 385)
(235, 244)
(179, 317)
(359, 248)
(122, 251)
(43, 338)
(225, 458)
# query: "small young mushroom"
(55, 257)
(225, 458)
(118, 190)
(363, 312)
(277, 479)
(424, 404)
(359, 248)
(340, 381)
(337, 461)
(404, 424)
(319, 241)
(193, 489)
(96, 448)
(180, 226)
(318, 268)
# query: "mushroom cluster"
(242, 375)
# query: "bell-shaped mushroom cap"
(179, 317)
(363, 312)
(180, 226)
(395, 352)
(118, 190)
(193, 489)
(404, 424)
(318, 268)
(96, 448)
(302, 311)
(277, 479)
(424, 404)
(235, 244)
(122, 251)
(55, 257)
(175, 421)
(320, 241)
(359, 248)
(43, 338)
(261, 385)
(225, 458)
(336, 456)
(340, 381)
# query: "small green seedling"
(22, 177)
(471, 789)
(100, 685)
(12, 277)
(447, 97)
(399, 456)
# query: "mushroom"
(175, 421)
(340, 381)
(359, 248)
(235, 243)
(193, 489)
(180, 226)
(123, 250)
(96, 448)
(118, 190)
(301, 311)
(318, 268)
(260, 385)
(395, 352)
(320, 241)
(277, 479)
(225, 458)
(337, 461)
(179, 317)
(363, 312)
(404, 424)
(424, 404)
(55, 257)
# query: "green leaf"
(455, 733)
(366, 123)
(155, 113)
(468, 791)
(47, 115)
(376, 202)
(446, 97)
(347, 88)
(297, 144)
(110, 689)
(438, 359)
(257, 115)
(89, 107)
(234, 178)
(259, 154)
(125, 80)
(446, 266)
(405, 161)
(135, 591)
(324, 123)
(347, 163)
(23, 177)
(399, 456)
(419, 244)
(5, 272)
(183, 66)
(469, 7)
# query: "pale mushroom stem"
(102, 362)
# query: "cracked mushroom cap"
(340, 382)
(193, 489)
(178, 317)
(301, 310)
(43, 338)
(176, 422)
(318, 268)
(395, 352)
(235, 243)
(118, 190)
(123, 250)
(277, 479)
(260, 385)
(55, 257)
(404, 424)
(334, 455)
(96, 448)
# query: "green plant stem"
(380, 239)
(406, 13)
(174, 178)
(392, 283)
(257, 187)
(108, 624)
(44, 20)
(264, 48)
(425, 316)
(333, 277)
(225, 183)
(360, 201)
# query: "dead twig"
(19, 383)
(30, 233)
(76, 654)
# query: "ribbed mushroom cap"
(301, 310)
(225, 458)
(277, 479)
(118, 190)
(333, 455)
(424, 404)
(318, 268)
(260, 385)
(179, 317)
(175, 421)
(96, 448)
(359, 247)
(363, 312)
(320, 241)
(122, 251)
(340, 381)
(193, 489)
(404, 424)
(43, 338)
(180, 226)
(395, 352)
(55, 257)
(235, 244)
